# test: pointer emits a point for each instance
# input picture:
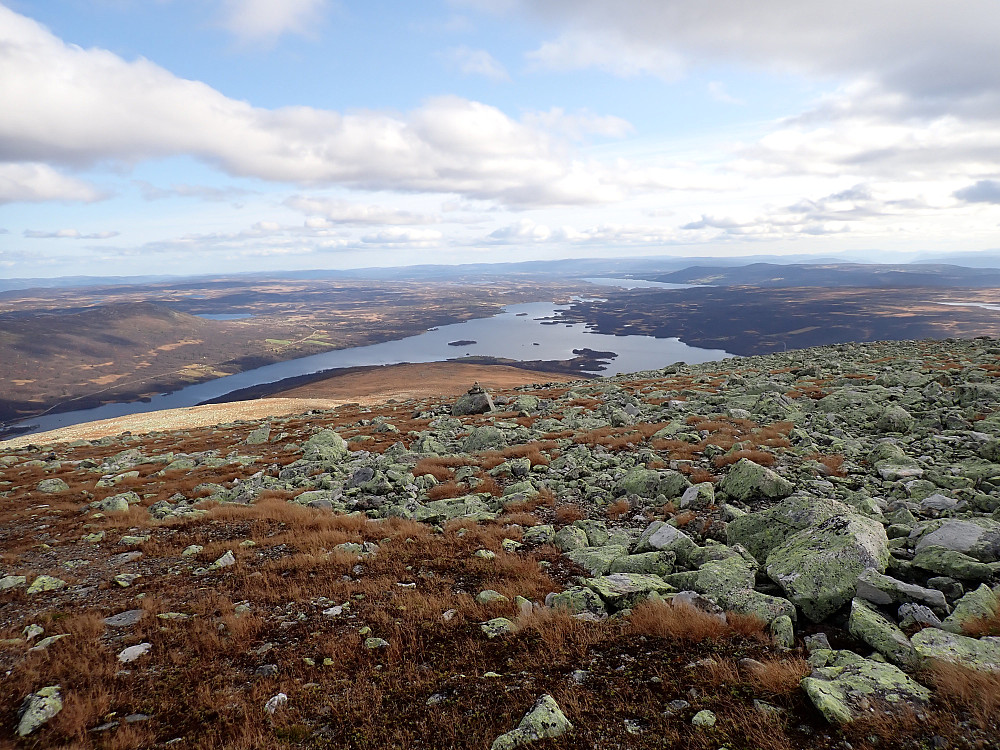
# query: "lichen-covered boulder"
(729, 583)
(947, 562)
(842, 685)
(483, 439)
(647, 483)
(577, 600)
(872, 628)
(747, 480)
(764, 530)
(884, 590)
(326, 445)
(656, 563)
(972, 653)
(38, 708)
(662, 537)
(818, 568)
(544, 720)
(979, 604)
(895, 419)
(569, 538)
(622, 590)
(467, 506)
(52, 485)
(975, 537)
(597, 560)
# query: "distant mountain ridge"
(831, 275)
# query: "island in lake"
(462, 342)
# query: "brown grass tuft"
(618, 508)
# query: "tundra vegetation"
(798, 550)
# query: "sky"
(206, 136)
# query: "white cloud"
(336, 211)
(68, 234)
(266, 20)
(606, 51)
(922, 47)
(35, 182)
(477, 62)
(151, 192)
(394, 237)
(577, 126)
(64, 104)
(983, 191)
(523, 231)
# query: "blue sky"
(188, 136)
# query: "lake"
(520, 332)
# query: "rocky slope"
(795, 550)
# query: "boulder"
(597, 560)
(543, 721)
(576, 600)
(764, 530)
(476, 401)
(749, 481)
(945, 562)
(38, 708)
(657, 563)
(52, 485)
(975, 537)
(971, 653)
(326, 445)
(843, 684)
(978, 604)
(818, 568)
(884, 590)
(483, 439)
(622, 590)
(662, 537)
(872, 628)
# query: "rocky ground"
(789, 551)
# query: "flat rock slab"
(125, 619)
(982, 654)
(843, 684)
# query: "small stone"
(126, 579)
(133, 652)
(132, 540)
(544, 720)
(12, 582)
(46, 583)
(496, 627)
(273, 704)
(489, 596)
(225, 561)
(46, 642)
(52, 485)
(484, 554)
(191, 550)
(125, 619)
(704, 718)
(38, 708)
(32, 631)
(375, 643)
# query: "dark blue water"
(512, 335)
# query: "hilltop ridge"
(793, 550)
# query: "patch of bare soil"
(400, 382)
(174, 419)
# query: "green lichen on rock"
(972, 653)
(544, 720)
(818, 568)
(843, 685)
(38, 708)
(870, 627)
(747, 480)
